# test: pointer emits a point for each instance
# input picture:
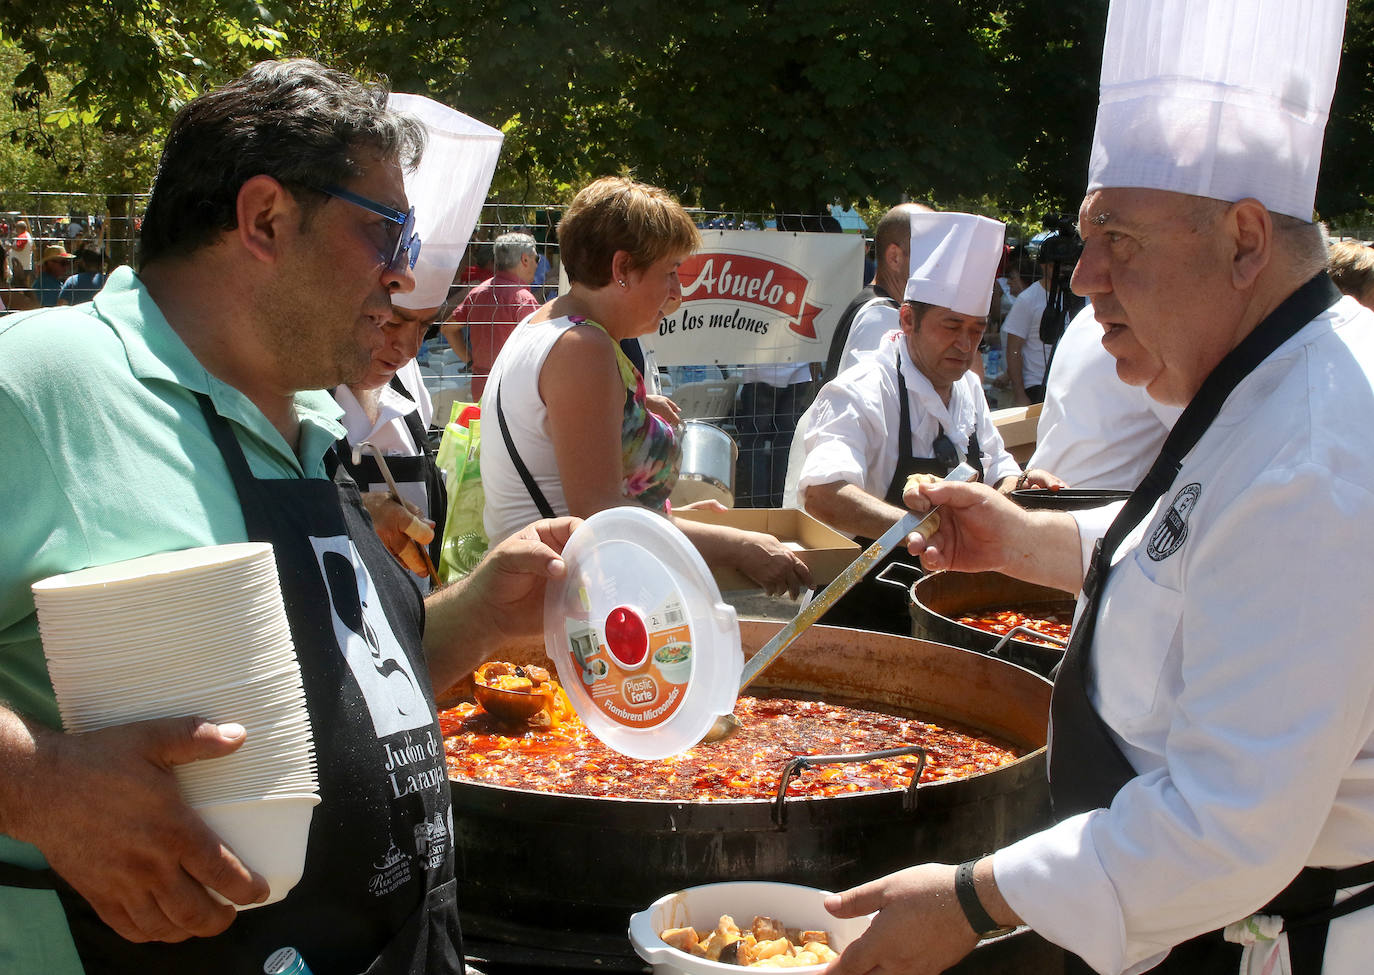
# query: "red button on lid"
(626, 637)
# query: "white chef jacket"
(1095, 431)
(389, 433)
(1235, 670)
(1024, 320)
(866, 330)
(852, 435)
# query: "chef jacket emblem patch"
(1172, 530)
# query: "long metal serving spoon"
(727, 724)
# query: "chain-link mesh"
(106, 225)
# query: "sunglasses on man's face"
(407, 241)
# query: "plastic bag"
(459, 457)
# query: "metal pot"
(708, 465)
(567, 871)
(939, 599)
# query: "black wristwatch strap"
(978, 918)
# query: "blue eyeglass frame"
(407, 241)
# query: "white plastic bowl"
(268, 835)
(701, 908)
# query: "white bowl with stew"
(795, 906)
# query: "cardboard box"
(1017, 425)
(825, 551)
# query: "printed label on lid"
(649, 691)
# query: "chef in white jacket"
(1212, 729)
(1096, 432)
(390, 407)
(910, 406)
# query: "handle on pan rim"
(915, 570)
(801, 762)
(996, 651)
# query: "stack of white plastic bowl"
(197, 632)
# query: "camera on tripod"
(1059, 243)
(1059, 246)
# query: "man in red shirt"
(493, 308)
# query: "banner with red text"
(760, 296)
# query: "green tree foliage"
(732, 104)
(739, 104)
(1346, 186)
(747, 105)
(97, 83)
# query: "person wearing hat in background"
(55, 270)
(390, 407)
(912, 406)
(183, 407)
(1211, 741)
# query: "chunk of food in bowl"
(767, 944)
(519, 693)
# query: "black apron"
(378, 895)
(1087, 767)
(875, 604)
(420, 469)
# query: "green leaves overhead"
(732, 104)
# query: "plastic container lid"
(646, 649)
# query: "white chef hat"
(1225, 99)
(447, 190)
(954, 258)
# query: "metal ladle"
(727, 724)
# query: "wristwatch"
(978, 917)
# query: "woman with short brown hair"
(565, 404)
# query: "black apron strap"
(873, 294)
(42, 878)
(975, 453)
(416, 427)
(229, 448)
(905, 455)
(540, 502)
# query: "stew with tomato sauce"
(568, 759)
(1003, 621)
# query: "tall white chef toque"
(447, 190)
(954, 258)
(1226, 99)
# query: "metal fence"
(740, 399)
(105, 224)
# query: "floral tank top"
(650, 454)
